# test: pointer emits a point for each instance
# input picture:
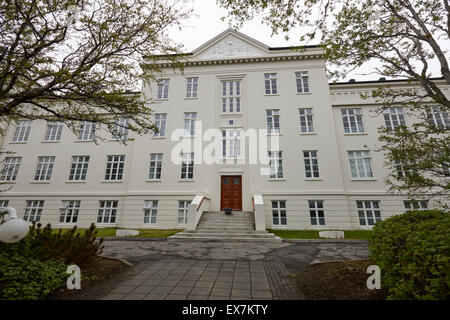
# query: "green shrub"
(24, 277)
(413, 253)
(70, 246)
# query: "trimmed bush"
(24, 277)
(413, 253)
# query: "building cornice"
(194, 63)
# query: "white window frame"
(352, 120)
(150, 211)
(22, 131)
(273, 121)
(120, 130)
(87, 131)
(401, 171)
(187, 166)
(163, 89)
(78, 168)
(311, 161)
(369, 212)
(33, 210)
(316, 212)
(270, 83)
(69, 211)
(10, 169)
(394, 117)
(115, 167)
(53, 131)
(437, 117)
(302, 82)
(231, 145)
(44, 168)
(107, 211)
(191, 87)
(360, 164)
(160, 123)
(183, 206)
(231, 96)
(279, 213)
(155, 169)
(190, 119)
(276, 164)
(3, 204)
(306, 120)
(415, 204)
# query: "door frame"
(220, 188)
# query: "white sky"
(206, 24)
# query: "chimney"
(382, 79)
(352, 80)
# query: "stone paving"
(219, 270)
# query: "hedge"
(413, 253)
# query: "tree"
(80, 60)
(403, 36)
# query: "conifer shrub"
(413, 253)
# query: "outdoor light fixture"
(13, 229)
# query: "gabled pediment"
(230, 44)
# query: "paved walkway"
(218, 270)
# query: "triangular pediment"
(228, 45)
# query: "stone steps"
(216, 226)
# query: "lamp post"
(13, 229)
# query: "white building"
(326, 174)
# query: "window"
(33, 210)
(10, 169)
(231, 96)
(44, 168)
(311, 164)
(150, 211)
(302, 81)
(273, 121)
(107, 212)
(187, 166)
(155, 166)
(163, 89)
(306, 120)
(189, 123)
(394, 117)
(54, 130)
(182, 211)
(87, 131)
(415, 205)
(114, 167)
(438, 117)
(279, 213)
(3, 204)
(360, 164)
(68, 211)
(368, 212)
(78, 168)
(270, 83)
(403, 169)
(276, 164)
(160, 123)
(120, 130)
(231, 144)
(352, 119)
(192, 85)
(22, 131)
(316, 213)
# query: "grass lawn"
(314, 234)
(148, 233)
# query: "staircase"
(238, 226)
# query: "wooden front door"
(231, 192)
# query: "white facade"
(330, 198)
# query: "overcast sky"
(207, 24)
